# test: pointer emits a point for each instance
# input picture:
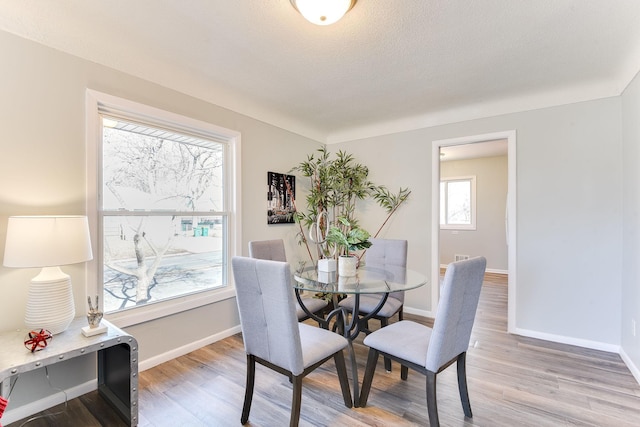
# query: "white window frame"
(472, 226)
(97, 102)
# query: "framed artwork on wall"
(281, 192)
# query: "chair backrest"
(456, 313)
(388, 252)
(268, 249)
(267, 312)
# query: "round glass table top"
(368, 280)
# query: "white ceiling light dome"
(323, 12)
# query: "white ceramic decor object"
(327, 264)
(347, 266)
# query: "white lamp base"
(50, 303)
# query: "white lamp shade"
(47, 241)
(323, 12)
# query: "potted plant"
(346, 236)
(336, 184)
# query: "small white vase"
(327, 265)
(347, 266)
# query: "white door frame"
(510, 136)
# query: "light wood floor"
(513, 381)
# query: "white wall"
(489, 239)
(569, 219)
(42, 171)
(631, 236)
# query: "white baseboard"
(76, 391)
(417, 312)
(55, 399)
(594, 345)
(632, 367)
(188, 348)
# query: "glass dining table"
(369, 279)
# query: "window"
(167, 227)
(458, 203)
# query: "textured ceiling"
(386, 66)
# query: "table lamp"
(48, 242)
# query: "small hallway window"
(458, 203)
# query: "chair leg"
(404, 372)
(296, 401)
(341, 367)
(432, 403)
(334, 328)
(339, 323)
(248, 391)
(462, 384)
(387, 362)
(372, 360)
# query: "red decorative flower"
(37, 340)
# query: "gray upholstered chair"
(274, 250)
(383, 252)
(429, 351)
(273, 336)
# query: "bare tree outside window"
(163, 214)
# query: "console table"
(117, 354)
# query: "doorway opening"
(477, 142)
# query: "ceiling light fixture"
(323, 12)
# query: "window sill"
(458, 227)
(135, 316)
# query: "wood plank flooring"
(513, 381)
